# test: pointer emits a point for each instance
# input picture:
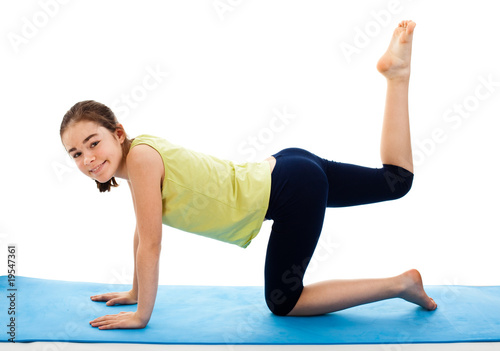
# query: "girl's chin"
(101, 180)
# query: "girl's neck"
(122, 171)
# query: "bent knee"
(399, 180)
(278, 309)
(281, 303)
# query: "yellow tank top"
(204, 195)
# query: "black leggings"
(303, 185)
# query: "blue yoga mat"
(52, 310)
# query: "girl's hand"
(115, 298)
(122, 320)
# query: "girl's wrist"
(143, 321)
(133, 293)
(142, 315)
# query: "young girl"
(205, 195)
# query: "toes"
(410, 27)
(431, 305)
(434, 304)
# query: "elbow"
(150, 247)
(150, 241)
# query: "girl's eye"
(94, 144)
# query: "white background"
(233, 66)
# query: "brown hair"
(90, 110)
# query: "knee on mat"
(279, 304)
(399, 180)
(278, 310)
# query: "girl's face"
(96, 151)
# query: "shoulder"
(143, 154)
(143, 161)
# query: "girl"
(215, 198)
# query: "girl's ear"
(120, 133)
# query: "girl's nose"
(88, 159)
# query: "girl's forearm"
(147, 266)
(135, 286)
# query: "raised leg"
(395, 146)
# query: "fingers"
(106, 324)
(104, 297)
(110, 321)
(122, 320)
(116, 298)
(110, 326)
(114, 301)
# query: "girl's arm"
(145, 170)
(135, 286)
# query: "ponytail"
(106, 186)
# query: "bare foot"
(413, 290)
(395, 62)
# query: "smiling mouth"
(97, 169)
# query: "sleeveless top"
(204, 195)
